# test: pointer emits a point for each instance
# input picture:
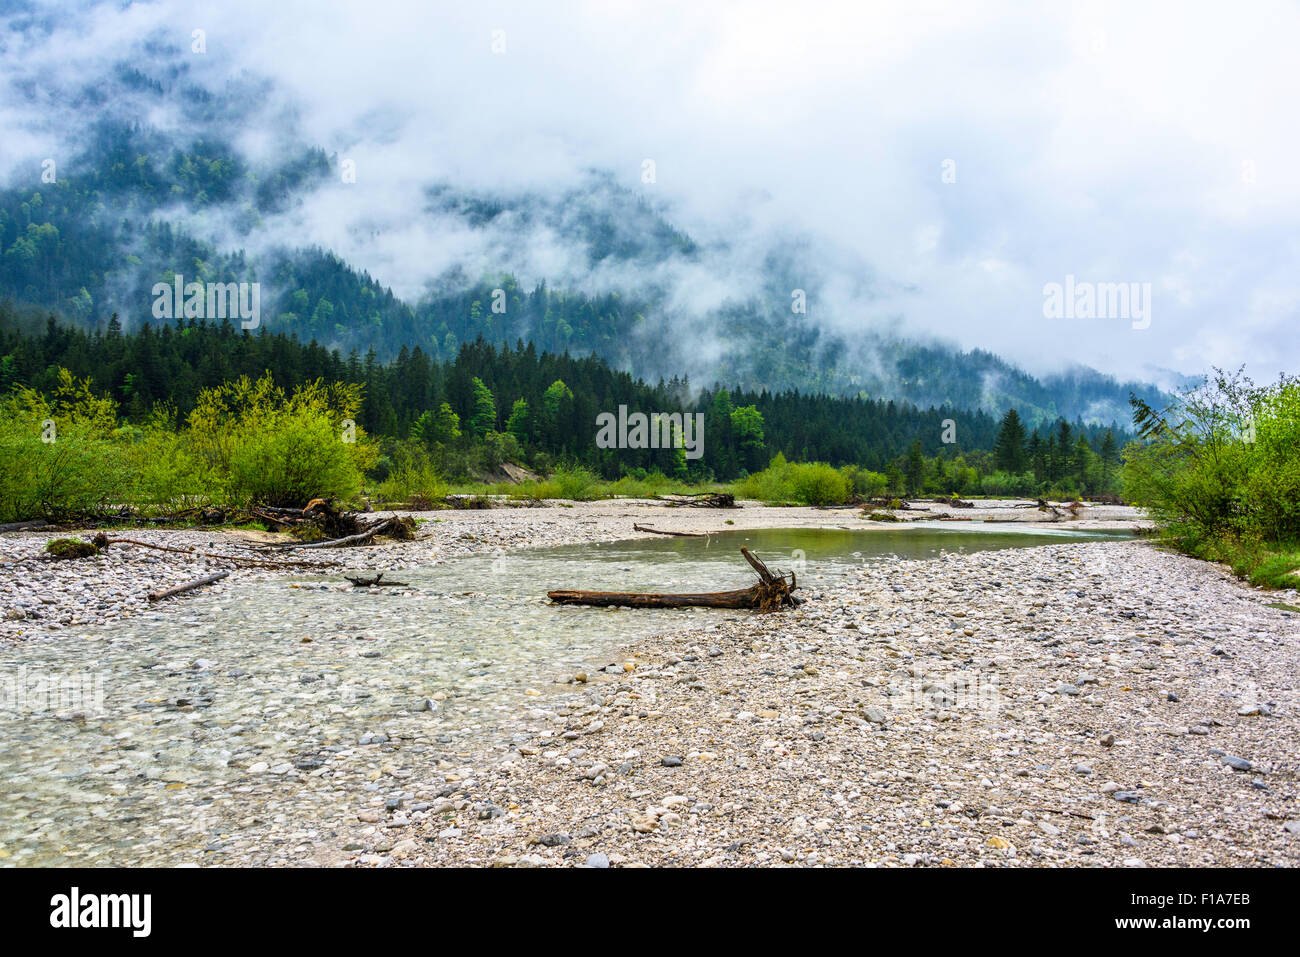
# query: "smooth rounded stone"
(1236, 763)
(598, 860)
(672, 761)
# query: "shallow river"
(252, 723)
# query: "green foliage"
(289, 460)
(483, 417)
(914, 469)
(413, 479)
(419, 397)
(1002, 483)
(58, 458)
(864, 483)
(747, 432)
(519, 423)
(281, 449)
(578, 484)
(497, 448)
(812, 483)
(434, 429)
(1220, 472)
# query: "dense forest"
(539, 408)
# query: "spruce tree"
(1009, 447)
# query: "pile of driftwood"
(885, 501)
(700, 500)
(335, 528)
(954, 503)
(769, 593)
(1073, 508)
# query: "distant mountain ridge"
(136, 206)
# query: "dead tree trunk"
(771, 592)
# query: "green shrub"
(1220, 473)
(864, 483)
(812, 483)
(164, 470)
(58, 459)
(413, 479)
(642, 484)
(269, 447)
(817, 483)
(1004, 484)
(537, 491)
(290, 458)
(579, 484)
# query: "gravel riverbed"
(1098, 704)
(39, 596)
(1086, 704)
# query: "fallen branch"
(327, 543)
(188, 586)
(656, 531)
(771, 592)
(102, 541)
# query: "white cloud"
(1115, 142)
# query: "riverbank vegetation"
(198, 413)
(1220, 471)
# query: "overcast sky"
(1130, 142)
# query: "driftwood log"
(772, 591)
(188, 586)
(23, 526)
(656, 531)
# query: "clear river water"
(249, 723)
